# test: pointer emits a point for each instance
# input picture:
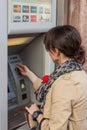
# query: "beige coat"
(66, 103)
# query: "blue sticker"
(33, 9)
(25, 9)
(40, 9)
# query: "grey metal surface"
(3, 65)
(18, 93)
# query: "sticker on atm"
(17, 8)
(47, 10)
(25, 9)
(25, 18)
(33, 9)
(16, 18)
(33, 18)
(40, 9)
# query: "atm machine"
(20, 89)
(23, 26)
(27, 22)
(18, 93)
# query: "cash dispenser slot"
(18, 93)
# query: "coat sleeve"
(62, 95)
(37, 83)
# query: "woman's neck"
(62, 59)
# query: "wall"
(62, 12)
(78, 17)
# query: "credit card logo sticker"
(33, 18)
(47, 10)
(41, 9)
(25, 9)
(33, 9)
(25, 18)
(17, 8)
(44, 18)
(16, 18)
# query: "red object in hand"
(45, 78)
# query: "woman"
(64, 96)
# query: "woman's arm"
(25, 71)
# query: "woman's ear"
(54, 52)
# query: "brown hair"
(67, 40)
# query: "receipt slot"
(18, 93)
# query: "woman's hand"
(24, 70)
(32, 108)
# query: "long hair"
(67, 40)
